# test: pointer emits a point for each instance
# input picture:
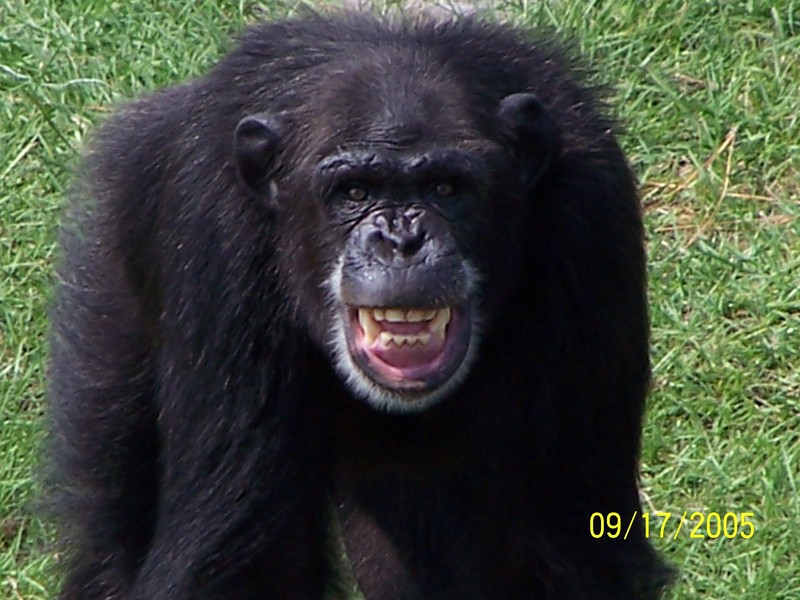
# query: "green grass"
(709, 93)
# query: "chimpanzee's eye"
(444, 189)
(357, 193)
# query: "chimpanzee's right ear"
(255, 145)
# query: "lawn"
(709, 92)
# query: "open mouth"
(409, 349)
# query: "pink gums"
(406, 362)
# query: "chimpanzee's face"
(404, 291)
(395, 237)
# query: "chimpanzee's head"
(393, 196)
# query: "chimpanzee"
(368, 298)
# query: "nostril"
(395, 238)
(380, 245)
(375, 237)
(411, 244)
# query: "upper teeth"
(436, 323)
(398, 315)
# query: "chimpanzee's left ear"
(530, 134)
(255, 146)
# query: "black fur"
(201, 430)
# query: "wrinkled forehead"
(400, 99)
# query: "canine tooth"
(395, 315)
(378, 315)
(440, 321)
(368, 324)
